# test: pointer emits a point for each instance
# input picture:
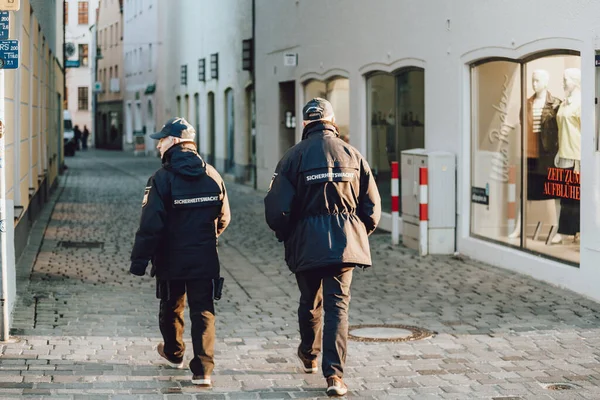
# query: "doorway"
(210, 112)
(287, 116)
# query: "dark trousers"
(202, 315)
(329, 290)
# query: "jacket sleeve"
(278, 203)
(225, 215)
(369, 201)
(151, 230)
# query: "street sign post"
(10, 5)
(9, 59)
(9, 54)
(4, 25)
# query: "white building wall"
(347, 38)
(142, 49)
(195, 29)
(82, 76)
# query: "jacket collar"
(326, 128)
(183, 146)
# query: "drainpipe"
(254, 88)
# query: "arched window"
(230, 130)
(526, 152)
(396, 121)
(337, 91)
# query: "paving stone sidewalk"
(86, 329)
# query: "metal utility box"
(433, 233)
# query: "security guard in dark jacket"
(323, 203)
(184, 210)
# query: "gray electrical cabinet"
(439, 237)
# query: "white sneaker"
(203, 381)
(161, 351)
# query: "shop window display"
(535, 153)
(396, 110)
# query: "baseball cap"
(177, 127)
(317, 109)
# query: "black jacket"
(323, 202)
(185, 209)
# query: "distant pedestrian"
(84, 137)
(323, 203)
(77, 136)
(185, 208)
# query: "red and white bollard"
(423, 212)
(395, 204)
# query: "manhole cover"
(560, 386)
(81, 245)
(387, 333)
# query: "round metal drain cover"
(387, 333)
(560, 386)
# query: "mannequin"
(542, 140)
(569, 150)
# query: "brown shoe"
(161, 351)
(336, 386)
(308, 366)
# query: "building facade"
(514, 103)
(141, 47)
(207, 80)
(108, 90)
(80, 15)
(33, 98)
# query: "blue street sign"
(72, 64)
(4, 25)
(9, 54)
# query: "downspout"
(254, 88)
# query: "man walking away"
(184, 210)
(323, 203)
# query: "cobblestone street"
(87, 329)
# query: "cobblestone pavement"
(86, 329)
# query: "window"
(110, 73)
(230, 126)
(183, 75)
(82, 98)
(202, 70)
(82, 16)
(526, 152)
(83, 55)
(150, 57)
(396, 107)
(66, 13)
(117, 34)
(337, 91)
(116, 71)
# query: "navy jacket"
(323, 202)
(185, 209)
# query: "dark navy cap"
(317, 109)
(177, 127)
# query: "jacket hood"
(183, 159)
(320, 126)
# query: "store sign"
(480, 195)
(290, 59)
(9, 54)
(562, 183)
(500, 135)
(4, 25)
(10, 5)
(72, 64)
